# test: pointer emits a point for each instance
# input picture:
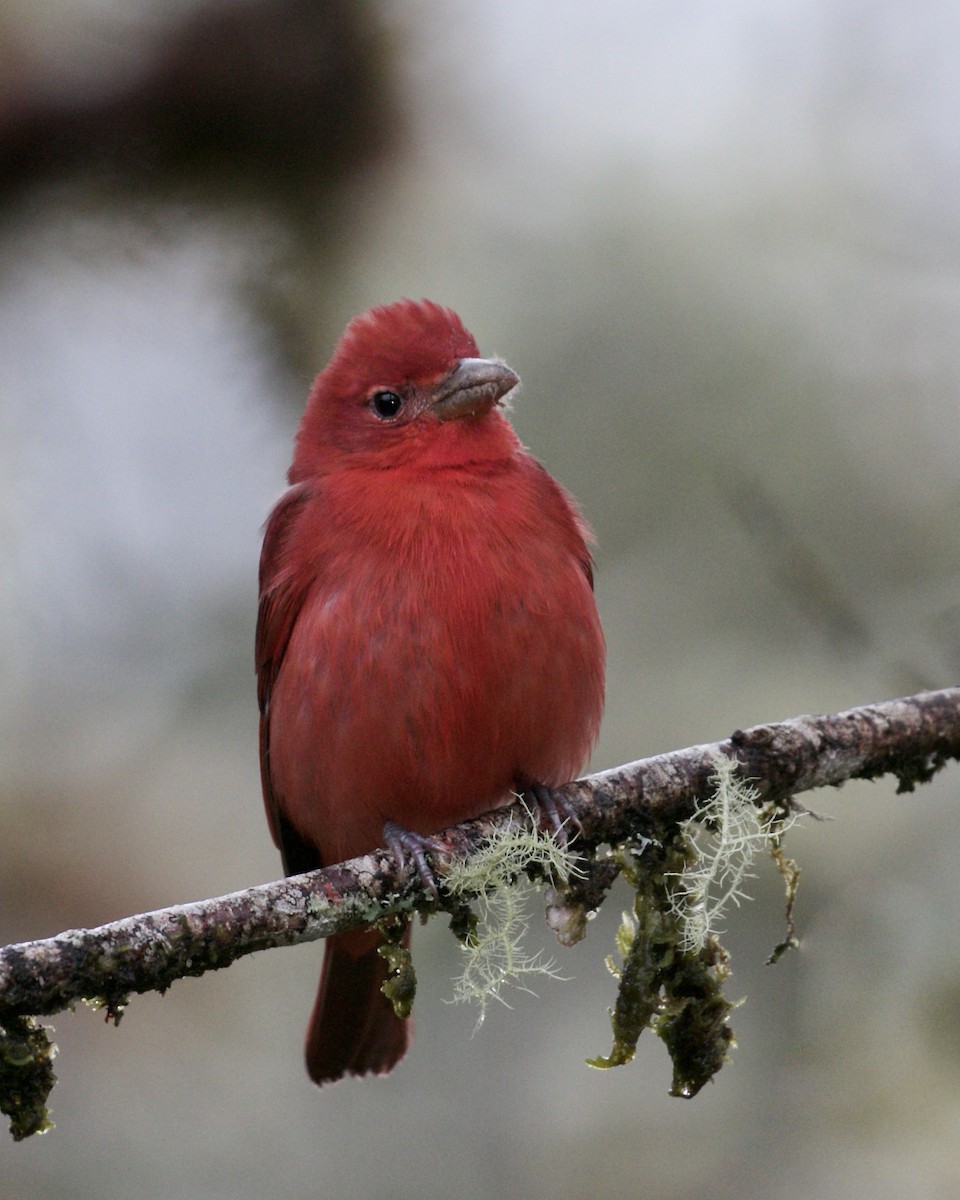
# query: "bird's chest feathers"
(443, 649)
(413, 571)
(428, 532)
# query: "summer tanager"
(427, 642)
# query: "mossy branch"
(910, 738)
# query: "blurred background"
(721, 245)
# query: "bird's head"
(406, 383)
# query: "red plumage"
(427, 637)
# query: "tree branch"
(911, 738)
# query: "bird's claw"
(405, 844)
(550, 807)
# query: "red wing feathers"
(282, 593)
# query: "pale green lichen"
(726, 833)
(494, 881)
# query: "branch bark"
(910, 738)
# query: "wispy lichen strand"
(493, 880)
(725, 834)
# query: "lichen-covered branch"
(148, 952)
(910, 738)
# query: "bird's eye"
(386, 404)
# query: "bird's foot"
(550, 808)
(404, 845)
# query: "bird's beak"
(474, 386)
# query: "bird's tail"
(353, 1029)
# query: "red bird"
(427, 640)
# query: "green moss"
(673, 968)
(400, 987)
(26, 1075)
(664, 983)
(692, 1021)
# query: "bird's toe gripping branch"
(551, 808)
(404, 845)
